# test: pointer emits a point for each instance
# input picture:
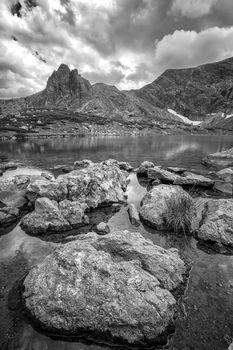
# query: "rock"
(189, 178)
(54, 190)
(224, 187)
(51, 216)
(220, 159)
(226, 175)
(12, 204)
(113, 288)
(176, 170)
(13, 199)
(81, 164)
(8, 216)
(217, 222)
(11, 165)
(102, 228)
(71, 194)
(156, 182)
(125, 166)
(101, 183)
(18, 182)
(161, 174)
(47, 176)
(154, 205)
(231, 346)
(73, 212)
(144, 166)
(67, 169)
(133, 215)
(46, 217)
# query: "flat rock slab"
(187, 177)
(226, 175)
(113, 288)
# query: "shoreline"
(166, 132)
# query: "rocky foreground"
(113, 286)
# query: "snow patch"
(184, 119)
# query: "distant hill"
(193, 93)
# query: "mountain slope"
(66, 89)
(193, 92)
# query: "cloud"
(189, 48)
(192, 8)
(122, 42)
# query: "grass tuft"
(180, 212)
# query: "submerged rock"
(217, 222)
(154, 204)
(12, 204)
(133, 215)
(113, 288)
(220, 159)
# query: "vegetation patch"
(179, 213)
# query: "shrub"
(180, 212)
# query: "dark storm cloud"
(123, 42)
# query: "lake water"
(205, 311)
(170, 150)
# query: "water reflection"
(182, 150)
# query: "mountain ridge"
(194, 93)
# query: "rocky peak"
(66, 82)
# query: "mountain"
(193, 92)
(67, 89)
(178, 94)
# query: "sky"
(126, 43)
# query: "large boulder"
(217, 222)
(60, 204)
(46, 217)
(100, 183)
(51, 216)
(154, 205)
(93, 289)
(220, 159)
